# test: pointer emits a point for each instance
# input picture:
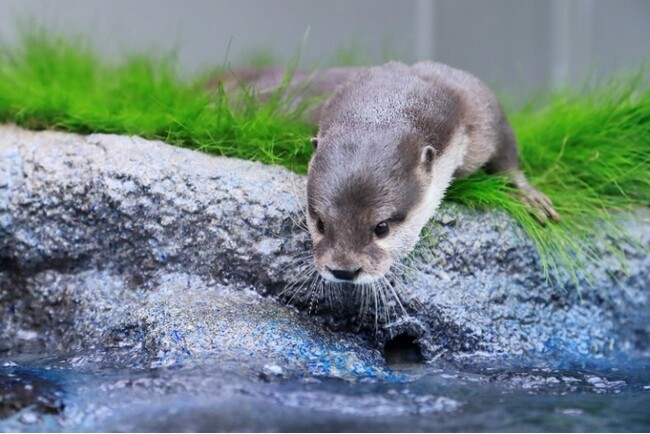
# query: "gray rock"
(118, 243)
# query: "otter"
(391, 139)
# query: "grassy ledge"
(51, 82)
(588, 151)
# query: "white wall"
(513, 44)
(204, 30)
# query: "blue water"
(76, 394)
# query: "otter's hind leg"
(506, 160)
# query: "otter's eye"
(320, 226)
(381, 230)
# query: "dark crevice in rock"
(30, 266)
(402, 349)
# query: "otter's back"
(429, 98)
(374, 97)
(483, 117)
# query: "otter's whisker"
(302, 255)
(360, 295)
(328, 293)
(299, 202)
(304, 278)
(375, 296)
(405, 288)
(404, 269)
(380, 303)
(323, 291)
(298, 291)
(298, 265)
(313, 297)
(365, 303)
(301, 222)
(303, 271)
(395, 296)
(297, 222)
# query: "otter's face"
(359, 210)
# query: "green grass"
(589, 151)
(49, 82)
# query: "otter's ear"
(428, 155)
(314, 142)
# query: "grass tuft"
(588, 151)
(50, 82)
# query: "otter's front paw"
(542, 207)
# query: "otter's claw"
(529, 195)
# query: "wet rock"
(113, 242)
(21, 389)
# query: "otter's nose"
(345, 274)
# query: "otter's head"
(364, 203)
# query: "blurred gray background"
(515, 45)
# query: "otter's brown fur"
(391, 138)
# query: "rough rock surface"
(113, 242)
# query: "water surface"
(78, 394)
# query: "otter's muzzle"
(347, 275)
